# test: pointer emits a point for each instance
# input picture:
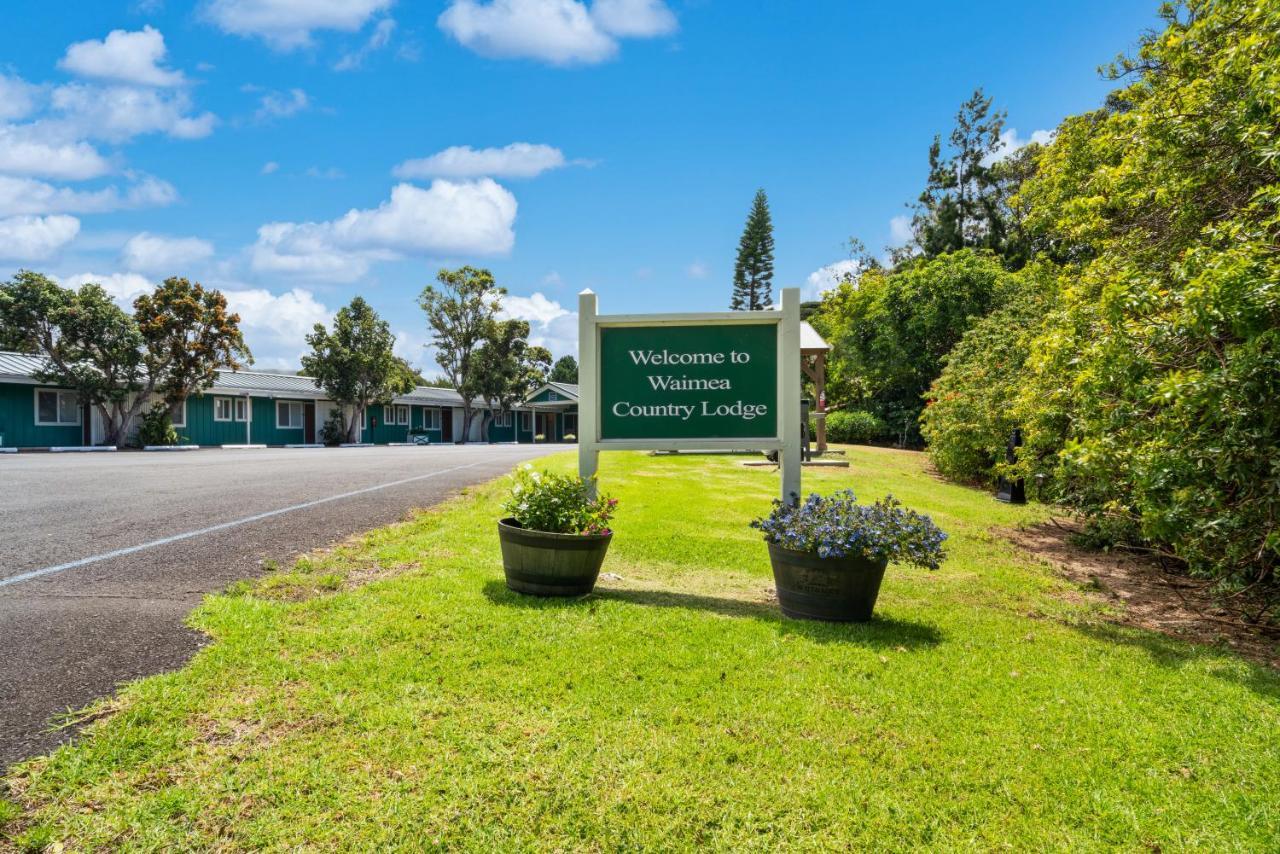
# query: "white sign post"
(711, 381)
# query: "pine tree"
(753, 272)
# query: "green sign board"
(689, 382)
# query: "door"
(86, 425)
(309, 423)
(446, 424)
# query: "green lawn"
(393, 693)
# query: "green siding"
(550, 395)
(18, 421)
(201, 429)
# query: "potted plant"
(555, 537)
(829, 554)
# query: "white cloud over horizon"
(551, 325)
(826, 278)
(517, 160)
(275, 326)
(123, 287)
(35, 238)
(378, 39)
(560, 32)
(448, 218)
(157, 253)
(126, 57)
(287, 25)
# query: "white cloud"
(561, 32)
(468, 218)
(900, 231)
(29, 196)
(634, 18)
(1010, 143)
(551, 325)
(329, 173)
(275, 326)
(119, 113)
(517, 160)
(279, 105)
(36, 237)
(289, 24)
(697, 270)
(24, 152)
(378, 39)
(553, 278)
(825, 278)
(123, 56)
(18, 98)
(123, 287)
(269, 167)
(161, 254)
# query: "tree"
(461, 314)
(354, 363)
(890, 330)
(508, 368)
(966, 203)
(753, 271)
(116, 362)
(188, 335)
(565, 370)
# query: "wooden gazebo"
(813, 360)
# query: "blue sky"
(295, 153)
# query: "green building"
(262, 408)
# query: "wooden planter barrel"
(835, 589)
(544, 564)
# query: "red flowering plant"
(557, 503)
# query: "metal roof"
(255, 382)
(19, 364)
(810, 339)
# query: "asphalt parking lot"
(103, 555)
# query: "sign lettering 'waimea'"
(671, 382)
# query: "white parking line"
(164, 541)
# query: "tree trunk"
(353, 428)
(468, 414)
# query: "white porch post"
(589, 391)
(248, 420)
(789, 384)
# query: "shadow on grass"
(881, 632)
(1176, 654)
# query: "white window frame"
(231, 409)
(502, 419)
(401, 413)
(243, 409)
(291, 404)
(431, 418)
(57, 407)
(526, 421)
(179, 420)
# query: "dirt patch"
(1142, 593)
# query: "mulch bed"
(1148, 595)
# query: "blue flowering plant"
(838, 526)
(557, 503)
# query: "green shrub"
(969, 411)
(157, 426)
(332, 432)
(855, 427)
(557, 503)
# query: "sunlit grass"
(392, 693)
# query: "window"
(571, 423)
(222, 409)
(502, 419)
(400, 414)
(288, 415)
(243, 413)
(57, 408)
(431, 419)
(178, 414)
(526, 421)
